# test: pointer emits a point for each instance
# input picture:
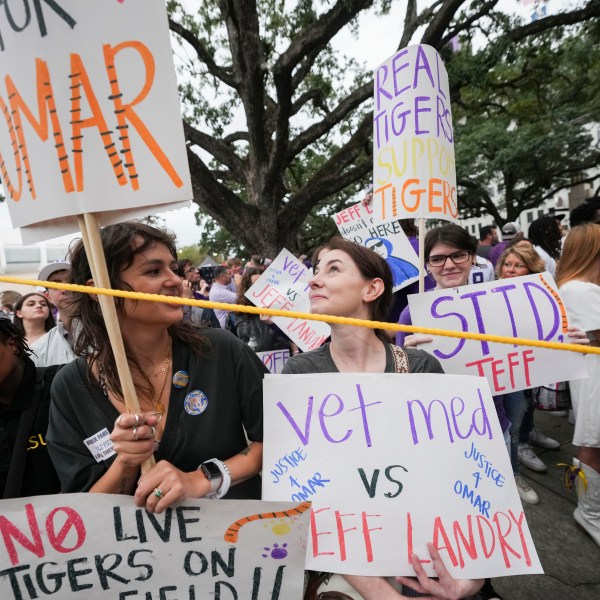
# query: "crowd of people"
(199, 380)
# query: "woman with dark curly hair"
(200, 390)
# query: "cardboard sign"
(355, 223)
(414, 172)
(100, 546)
(391, 462)
(284, 286)
(274, 360)
(92, 119)
(524, 307)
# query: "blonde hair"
(526, 254)
(581, 253)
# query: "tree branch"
(221, 151)
(204, 56)
(482, 12)
(314, 132)
(333, 176)
(560, 19)
(435, 30)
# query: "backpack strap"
(400, 359)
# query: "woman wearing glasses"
(449, 256)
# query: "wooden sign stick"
(90, 233)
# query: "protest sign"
(355, 223)
(414, 172)
(92, 120)
(100, 546)
(274, 360)
(284, 286)
(391, 462)
(523, 307)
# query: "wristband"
(226, 481)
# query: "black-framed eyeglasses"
(439, 260)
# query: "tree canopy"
(279, 125)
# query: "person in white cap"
(55, 347)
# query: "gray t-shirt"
(320, 361)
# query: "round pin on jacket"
(181, 379)
(195, 402)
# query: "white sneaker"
(543, 441)
(526, 492)
(530, 459)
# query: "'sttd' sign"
(414, 173)
(100, 546)
(391, 462)
(91, 111)
(523, 307)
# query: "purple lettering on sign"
(396, 69)
(363, 413)
(303, 435)
(503, 289)
(529, 287)
(463, 321)
(336, 411)
(473, 296)
(418, 99)
(293, 268)
(381, 77)
(477, 419)
(422, 64)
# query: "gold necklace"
(158, 405)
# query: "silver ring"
(135, 432)
(152, 431)
(137, 419)
(158, 492)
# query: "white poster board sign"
(284, 286)
(355, 223)
(274, 360)
(414, 168)
(100, 546)
(391, 462)
(524, 307)
(93, 120)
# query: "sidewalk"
(571, 560)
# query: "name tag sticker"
(100, 445)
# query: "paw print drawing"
(277, 552)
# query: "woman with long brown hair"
(200, 390)
(33, 318)
(352, 281)
(578, 279)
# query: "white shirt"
(52, 348)
(220, 293)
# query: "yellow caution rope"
(500, 339)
